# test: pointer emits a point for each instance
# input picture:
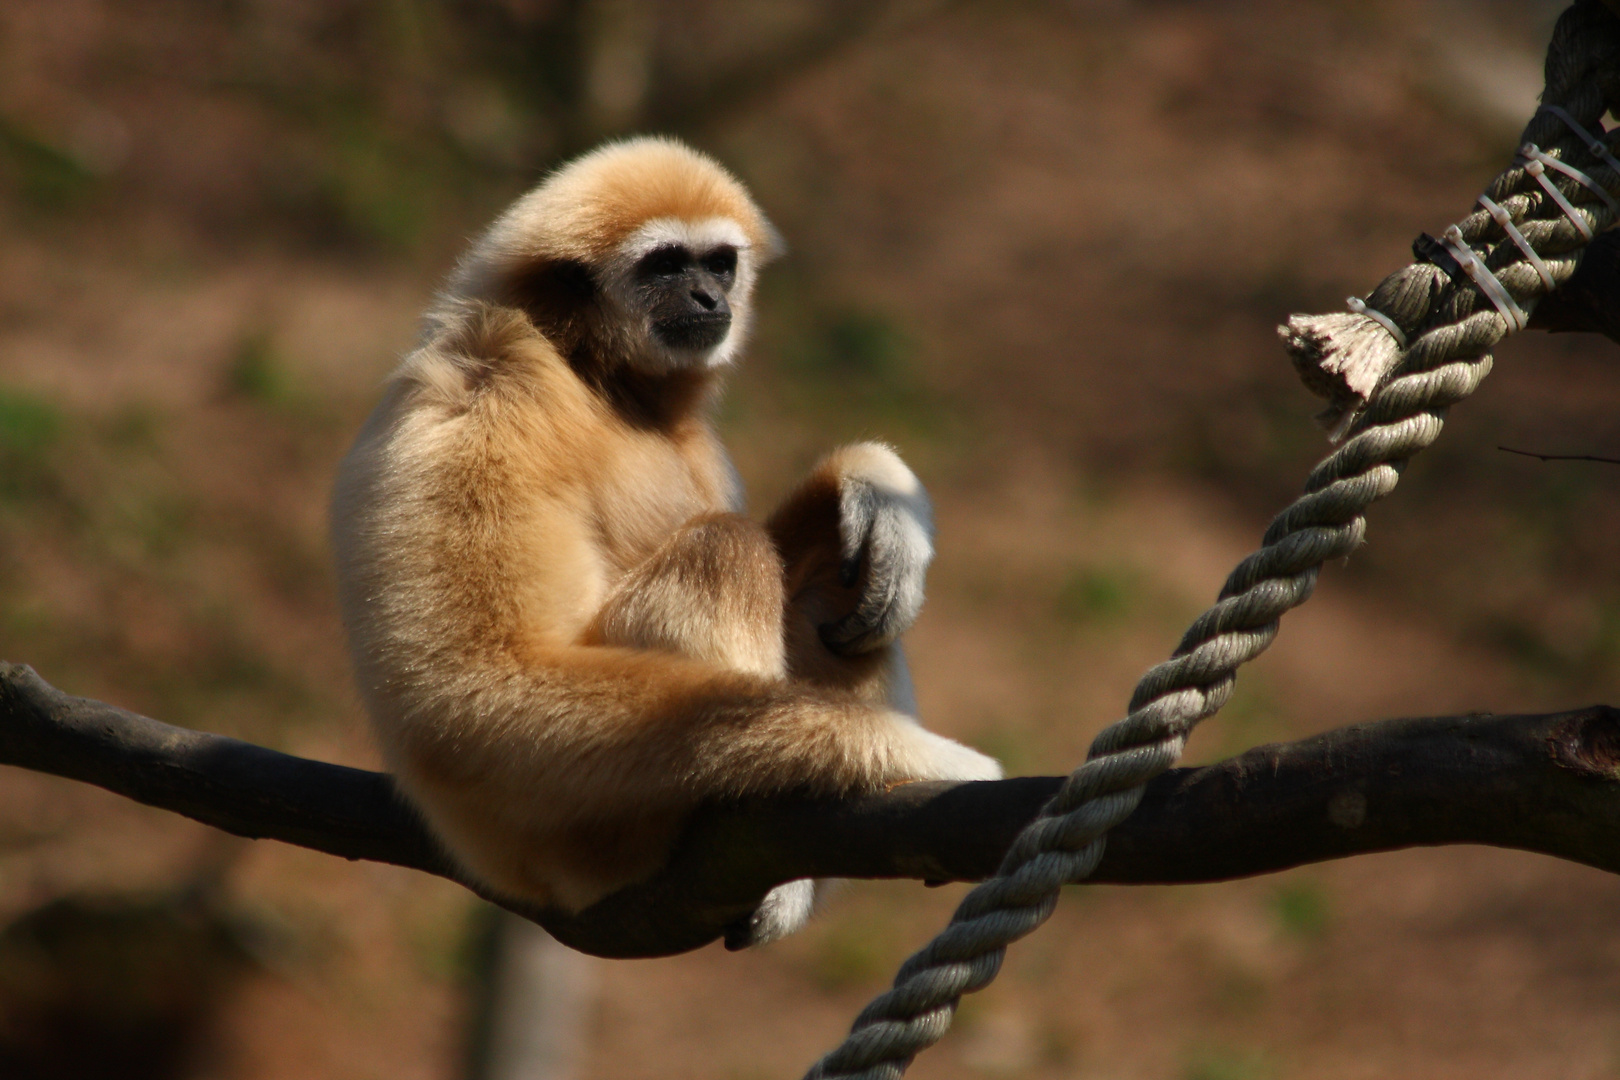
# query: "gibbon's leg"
(856, 538)
(713, 592)
(856, 541)
(857, 535)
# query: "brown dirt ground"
(1063, 232)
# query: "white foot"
(934, 757)
(784, 909)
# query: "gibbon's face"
(684, 294)
(685, 285)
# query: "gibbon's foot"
(784, 909)
(886, 527)
(934, 757)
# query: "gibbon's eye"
(722, 263)
(664, 262)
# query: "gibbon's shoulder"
(475, 352)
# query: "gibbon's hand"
(886, 530)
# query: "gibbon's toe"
(977, 766)
(947, 759)
(784, 909)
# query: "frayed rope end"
(1342, 357)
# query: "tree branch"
(1541, 783)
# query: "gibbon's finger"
(895, 557)
(857, 511)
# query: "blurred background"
(1041, 246)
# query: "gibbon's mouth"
(696, 331)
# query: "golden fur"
(564, 632)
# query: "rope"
(1451, 327)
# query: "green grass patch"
(258, 373)
(1300, 909)
(133, 427)
(856, 947)
(159, 523)
(1251, 718)
(46, 177)
(27, 424)
(1018, 749)
(444, 938)
(1094, 595)
(30, 427)
(1224, 1063)
(856, 367)
(849, 955)
(1236, 992)
(864, 346)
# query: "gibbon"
(565, 632)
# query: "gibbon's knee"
(712, 591)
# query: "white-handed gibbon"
(566, 633)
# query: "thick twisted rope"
(1450, 327)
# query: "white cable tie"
(1533, 166)
(1505, 220)
(1594, 143)
(1579, 177)
(1536, 164)
(1481, 276)
(1359, 306)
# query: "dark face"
(684, 293)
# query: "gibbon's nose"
(708, 300)
(693, 313)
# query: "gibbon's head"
(640, 254)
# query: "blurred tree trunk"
(532, 1003)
